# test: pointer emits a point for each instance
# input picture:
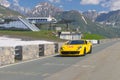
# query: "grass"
(93, 36)
(43, 35)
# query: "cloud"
(16, 2)
(115, 5)
(92, 2)
(54, 1)
(5, 3)
(111, 4)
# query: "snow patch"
(84, 20)
(8, 42)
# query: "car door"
(87, 46)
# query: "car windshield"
(76, 42)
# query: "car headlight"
(61, 48)
(79, 47)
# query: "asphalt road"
(102, 64)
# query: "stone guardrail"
(6, 55)
(9, 55)
(109, 40)
(102, 41)
(34, 51)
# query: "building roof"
(67, 33)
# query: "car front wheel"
(90, 50)
(84, 52)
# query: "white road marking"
(46, 74)
(56, 64)
(88, 66)
(20, 73)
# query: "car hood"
(71, 47)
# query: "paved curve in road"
(89, 67)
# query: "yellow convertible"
(76, 48)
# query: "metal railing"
(29, 25)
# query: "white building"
(2, 20)
(42, 19)
(70, 35)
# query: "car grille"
(70, 52)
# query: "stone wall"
(59, 45)
(49, 49)
(30, 52)
(6, 55)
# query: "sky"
(81, 5)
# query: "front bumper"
(70, 53)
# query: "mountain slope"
(78, 20)
(44, 9)
(112, 18)
(86, 25)
(5, 12)
(19, 9)
(91, 14)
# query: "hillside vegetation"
(42, 35)
(86, 25)
(92, 36)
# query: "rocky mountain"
(4, 3)
(19, 9)
(5, 12)
(86, 22)
(91, 14)
(14, 6)
(110, 19)
(78, 20)
(41, 9)
(44, 9)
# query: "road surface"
(102, 64)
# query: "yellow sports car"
(76, 48)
